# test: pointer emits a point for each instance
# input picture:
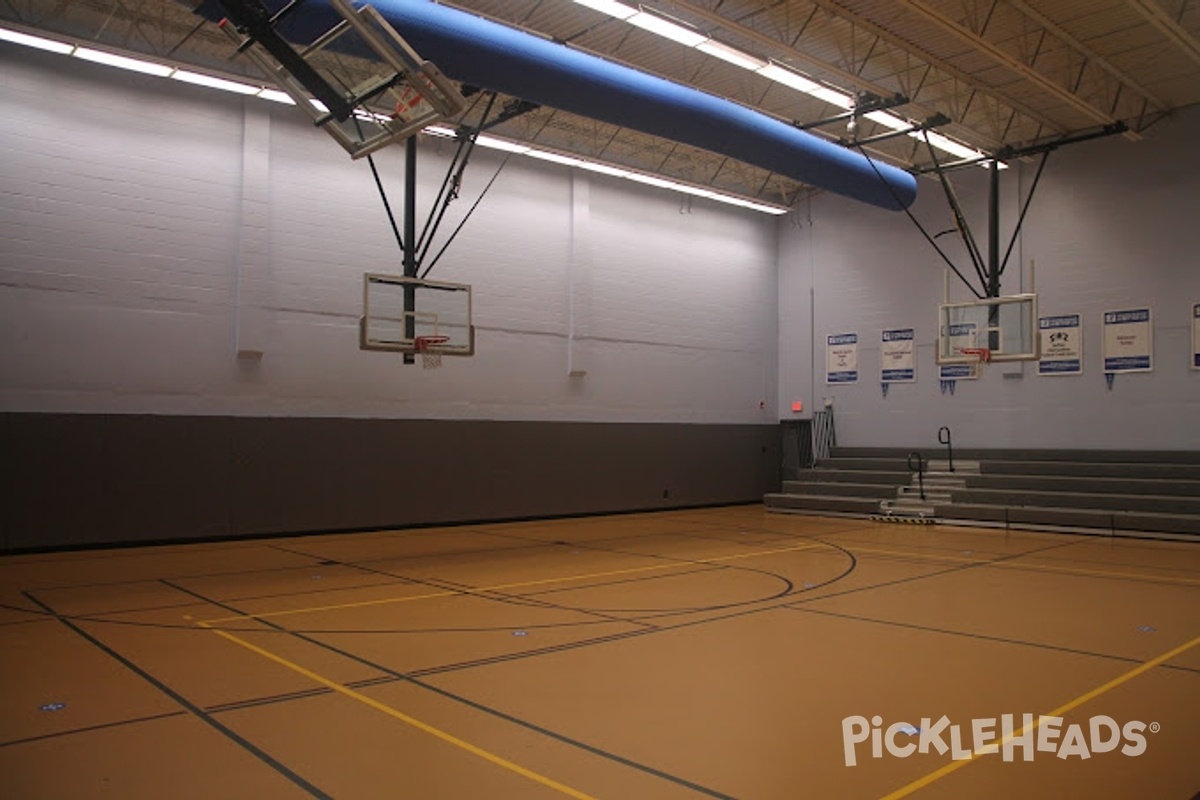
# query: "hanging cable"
(387, 207)
(463, 145)
(960, 221)
(1024, 209)
(424, 244)
(914, 221)
(468, 216)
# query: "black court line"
(496, 712)
(795, 598)
(983, 637)
(1065, 559)
(1036, 569)
(265, 570)
(533, 599)
(657, 614)
(533, 543)
(198, 712)
(920, 551)
(525, 601)
(99, 616)
(567, 646)
(272, 699)
(90, 728)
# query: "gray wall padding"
(80, 479)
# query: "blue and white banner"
(960, 336)
(841, 358)
(1061, 345)
(1195, 335)
(1128, 341)
(897, 356)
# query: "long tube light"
(162, 70)
(590, 165)
(768, 69)
(16, 37)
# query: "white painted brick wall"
(1113, 225)
(151, 229)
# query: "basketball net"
(430, 359)
(983, 355)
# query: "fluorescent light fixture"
(936, 139)
(16, 37)
(731, 54)
(493, 143)
(889, 120)
(788, 78)
(952, 147)
(124, 62)
(200, 79)
(546, 155)
(797, 81)
(650, 180)
(833, 97)
(604, 169)
(626, 174)
(610, 7)
(667, 29)
(276, 96)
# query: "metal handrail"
(947, 441)
(919, 469)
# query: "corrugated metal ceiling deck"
(1006, 72)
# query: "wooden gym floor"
(689, 654)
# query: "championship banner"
(961, 335)
(897, 356)
(1196, 336)
(1061, 345)
(1128, 341)
(841, 358)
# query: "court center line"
(922, 782)
(402, 717)
(517, 585)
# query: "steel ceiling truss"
(1170, 25)
(857, 54)
(1045, 57)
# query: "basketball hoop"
(430, 359)
(982, 354)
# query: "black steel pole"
(993, 288)
(994, 232)
(410, 241)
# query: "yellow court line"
(498, 587)
(405, 718)
(922, 782)
(1035, 567)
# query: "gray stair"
(822, 503)
(1117, 491)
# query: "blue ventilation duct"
(482, 53)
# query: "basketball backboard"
(398, 311)
(1006, 327)
(359, 81)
